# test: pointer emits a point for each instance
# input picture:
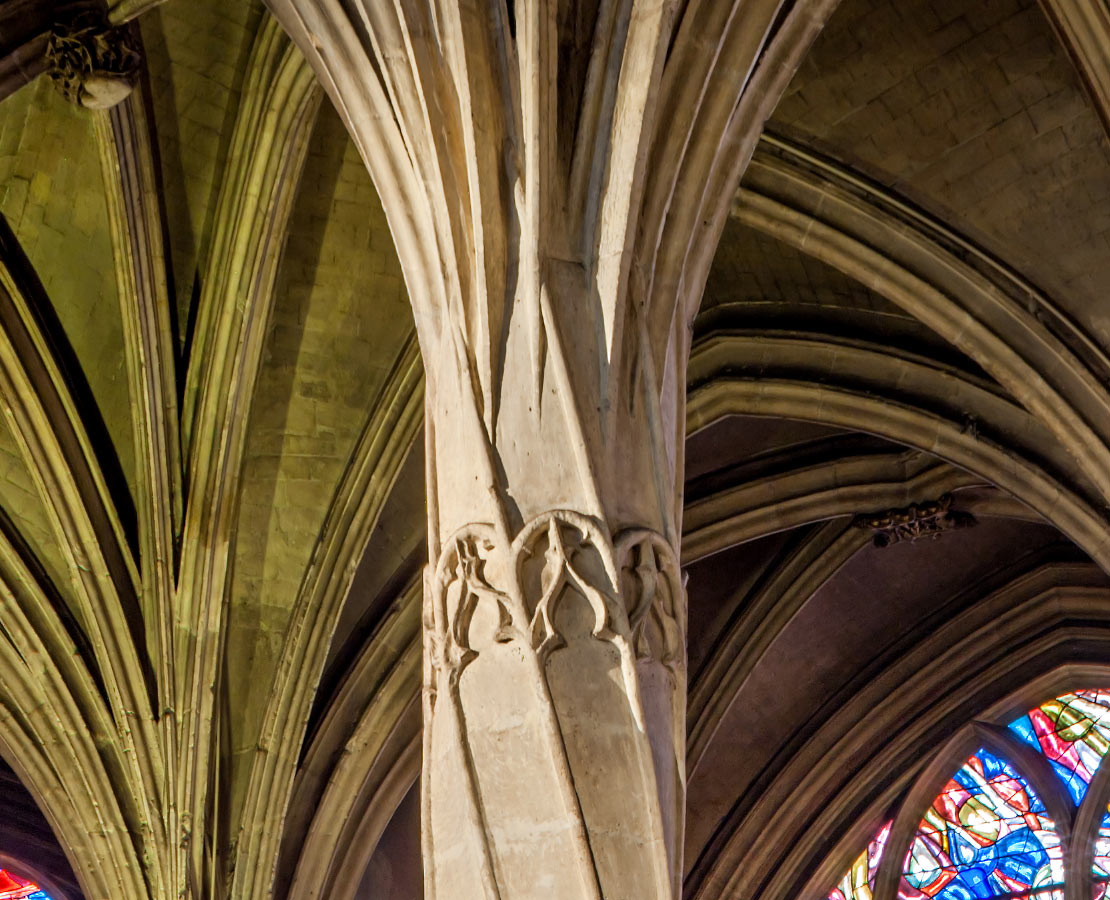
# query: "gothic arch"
(969, 299)
(937, 773)
(1076, 822)
(115, 711)
(1046, 495)
(361, 760)
(1043, 632)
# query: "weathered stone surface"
(332, 341)
(196, 56)
(52, 194)
(20, 501)
(976, 110)
(554, 610)
(554, 232)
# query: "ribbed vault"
(212, 519)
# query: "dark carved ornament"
(914, 522)
(92, 63)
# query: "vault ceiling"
(52, 195)
(829, 393)
(752, 268)
(336, 331)
(975, 111)
(758, 281)
(877, 600)
(196, 59)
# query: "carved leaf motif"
(93, 64)
(636, 605)
(652, 591)
(545, 636)
(464, 588)
(560, 577)
(913, 522)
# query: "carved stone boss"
(914, 522)
(509, 626)
(92, 63)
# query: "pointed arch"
(268, 148)
(57, 734)
(970, 299)
(385, 444)
(843, 407)
(362, 760)
(48, 427)
(1090, 847)
(1072, 732)
(1047, 628)
(981, 755)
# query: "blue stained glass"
(12, 887)
(1077, 787)
(1023, 728)
(985, 836)
(1072, 731)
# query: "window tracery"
(1072, 732)
(990, 832)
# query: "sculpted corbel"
(92, 63)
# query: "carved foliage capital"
(92, 63)
(487, 590)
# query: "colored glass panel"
(986, 835)
(1073, 733)
(12, 887)
(859, 883)
(1100, 865)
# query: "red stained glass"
(1072, 731)
(12, 887)
(986, 835)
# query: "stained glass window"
(986, 835)
(1100, 866)
(1073, 733)
(859, 883)
(12, 887)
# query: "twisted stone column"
(554, 712)
(554, 618)
(555, 174)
